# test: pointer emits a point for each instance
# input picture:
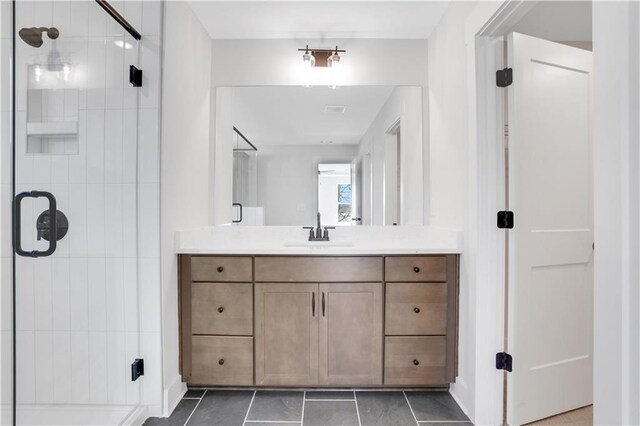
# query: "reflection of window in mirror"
(335, 200)
(393, 176)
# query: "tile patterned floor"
(314, 408)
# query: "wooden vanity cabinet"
(369, 321)
(286, 352)
(351, 334)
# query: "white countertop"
(292, 240)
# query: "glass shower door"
(73, 195)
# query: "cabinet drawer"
(416, 308)
(225, 269)
(318, 269)
(415, 360)
(222, 308)
(416, 268)
(222, 361)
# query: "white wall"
(404, 63)
(616, 48)
(404, 104)
(288, 180)
(449, 170)
(185, 162)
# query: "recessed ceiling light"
(335, 109)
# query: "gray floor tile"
(194, 393)
(271, 424)
(330, 413)
(276, 406)
(178, 417)
(329, 395)
(384, 409)
(222, 408)
(435, 407)
(445, 423)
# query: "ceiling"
(294, 115)
(558, 21)
(319, 19)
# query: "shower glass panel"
(245, 182)
(73, 156)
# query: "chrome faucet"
(319, 234)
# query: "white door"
(550, 318)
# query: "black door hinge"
(504, 77)
(137, 369)
(505, 220)
(135, 76)
(504, 361)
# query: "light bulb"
(308, 59)
(335, 61)
(66, 70)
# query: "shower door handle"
(238, 205)
(53, 228)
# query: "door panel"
(286, 334)
(351, 334)
(550, 189)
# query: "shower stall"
(69, 167)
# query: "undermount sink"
(324, 244)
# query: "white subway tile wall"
(85, 313)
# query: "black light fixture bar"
(119, 19)
(245, 139)
(309, 49)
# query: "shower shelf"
(60, 128)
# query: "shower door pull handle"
(17, 229)
(239, 205)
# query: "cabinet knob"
(416, 269)
(416, 310)
(221, 361)
(416, 362)
(221, 309)
(220, 269)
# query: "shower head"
(33, 36)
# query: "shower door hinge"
(135, 76)
(504, 77)
(137, 369)
(505, 219)
(504, 361)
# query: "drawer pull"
(221, 361)
(416, 362)
(416, 269)
(416, 310)
(221, 309)
(220, 269)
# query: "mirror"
(285, 153)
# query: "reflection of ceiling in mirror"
(295, 115)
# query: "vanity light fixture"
(328, 58)
(308, 60)
(334, 60)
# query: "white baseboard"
(136, 417)
(454, 391)
(173, 394)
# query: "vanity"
(362, 313)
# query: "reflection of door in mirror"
(392, 177)
(335, 200)
(356, 178)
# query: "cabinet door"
(286, 334)
(351, 334)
